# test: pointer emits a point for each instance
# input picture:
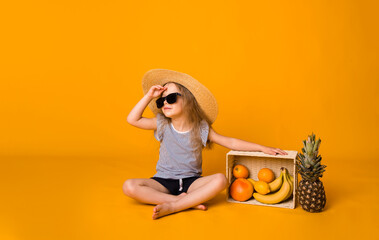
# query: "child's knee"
(221, 180)
(129, 187)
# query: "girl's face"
(174, 109)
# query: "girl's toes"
(156, 212)
(156, 209)
(202, 207)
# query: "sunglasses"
(171, 98)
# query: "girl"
(185, 111)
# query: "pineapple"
(311, 193)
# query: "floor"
(82, 198)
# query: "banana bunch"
(283, 186)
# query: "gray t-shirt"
(177, 158)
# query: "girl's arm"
(135, 116)
(241, 145)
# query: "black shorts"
(176, 186)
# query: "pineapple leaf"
(302, 163)
(317, 144)
(309, 149)
(314, 137)
(316, 165)
(308, 163)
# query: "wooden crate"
(255, 161)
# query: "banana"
(278, 196)
(276, 184)
(252, 181)
(291, 184)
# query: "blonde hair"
(194, 114)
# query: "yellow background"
(70, 73)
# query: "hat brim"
(203, 96)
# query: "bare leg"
(199, 207)
(202, 190)
(147, 191)
(151, 192)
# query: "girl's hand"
(273, 151)
(155, 91)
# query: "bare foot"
(167, 208)
(162, 210)
(199, 207)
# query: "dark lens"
(171, 98)
(160, 102)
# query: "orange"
(266, 175)
(241, 189)
(240, 171)
(261, 187)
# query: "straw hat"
(203, 96)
